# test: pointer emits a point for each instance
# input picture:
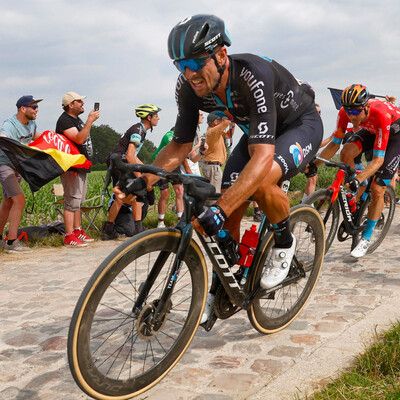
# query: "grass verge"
(374, 375)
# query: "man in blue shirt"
(21, 127)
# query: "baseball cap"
(69, 97)
(213, 116)
(27, 100)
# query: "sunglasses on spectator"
(352, 111)
(194, 64)
(34, 107)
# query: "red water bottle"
(351, 200)
(248, 246)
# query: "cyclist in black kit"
(282, 131)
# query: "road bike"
(332, 203)
(141, 308)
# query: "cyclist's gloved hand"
(136, 186)
(312, 170)
(212, 219)
(354, 184)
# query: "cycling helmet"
(198, 34)
(355, 95)
(146, 109)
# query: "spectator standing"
(196, 154)
(219, 129)
(164, 186)
(129, 147)
(22, 127)
(74, 180)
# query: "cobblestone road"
(352, 298)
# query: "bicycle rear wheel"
(116, 351)
(330, 213)
(384, 221)
(274, 310)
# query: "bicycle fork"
(164, 303)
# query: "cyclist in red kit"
(379, 126)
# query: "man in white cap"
(74, 180)
(22, 127)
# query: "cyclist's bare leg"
(377, 202)
(349, 152)
(271, 198)
(233, 222)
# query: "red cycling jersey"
(381, 116)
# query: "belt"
(212, 163)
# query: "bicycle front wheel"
(384, 221)
(273, 311)
(330, 213)
(116, 349)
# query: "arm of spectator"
(195, 155)
(229, 133)
(132, 158)
(186, 167)
(36, 135)
(80, 137)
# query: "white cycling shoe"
(361, 249)
(208, 309)
(279, 266)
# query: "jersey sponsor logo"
(297, 153)
(255, 88)
(284, 163)
(287, 99)
(392, 166)
(380, 138)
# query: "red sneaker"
(81, 235)
(73, 241)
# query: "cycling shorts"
(295, 147)
(365, 140)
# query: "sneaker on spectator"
(279, 266)
(72, 241)
(160, 224)
(16, 247)
(81, 235)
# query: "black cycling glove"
(354, 184)
(136, 186)
(212, 219)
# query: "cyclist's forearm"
(328, 152)
(370, 169)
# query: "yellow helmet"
(355, 95)
(144, 110)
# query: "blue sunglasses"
(353, 111)
(194, 64)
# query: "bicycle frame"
(337, 188)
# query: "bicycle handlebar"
(196, 186)
(338, 164)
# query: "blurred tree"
(105, 138)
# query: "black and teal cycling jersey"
(263, 99)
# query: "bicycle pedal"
(209, 323)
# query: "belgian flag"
(39, 166)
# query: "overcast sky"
(115, 52)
